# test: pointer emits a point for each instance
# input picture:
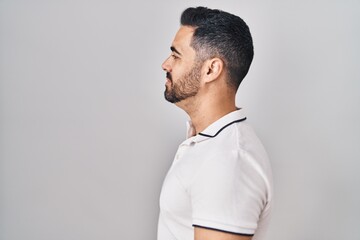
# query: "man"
(219, 186)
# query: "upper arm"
(209, 234)
(227, 195)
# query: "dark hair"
(224, 35)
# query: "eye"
(174, 56)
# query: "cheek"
(177, 73)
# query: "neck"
(204, 112)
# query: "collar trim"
(212, 136)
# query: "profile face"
(182, 71)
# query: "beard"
(186, 86)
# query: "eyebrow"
(172, 48)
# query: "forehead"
(183, 38)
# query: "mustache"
(168, 75)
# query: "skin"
(213, 98)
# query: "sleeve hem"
(223, 227)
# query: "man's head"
(207, 36)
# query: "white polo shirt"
(220, 179)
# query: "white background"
(86, 137)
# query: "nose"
(166, 65)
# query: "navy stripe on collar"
(211, 136)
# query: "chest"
(175, 198)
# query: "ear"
(213, 69)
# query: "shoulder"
(235, 158)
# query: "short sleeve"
(229, 193)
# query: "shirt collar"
(216, 127)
